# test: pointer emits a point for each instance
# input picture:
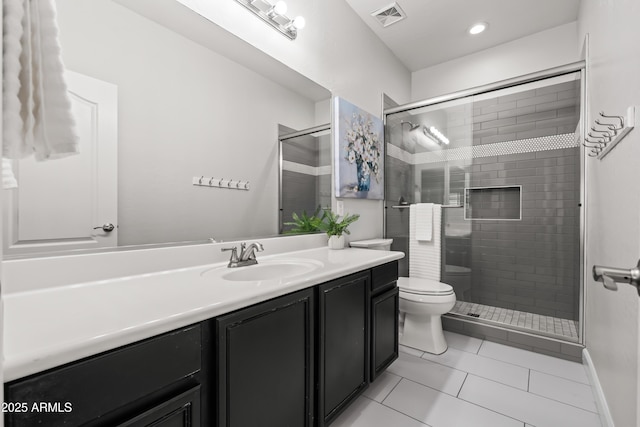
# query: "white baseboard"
(601, 401)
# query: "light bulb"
(299, 22)
(478, 28)
(280, 8)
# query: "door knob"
(107, 228)
(610, 276)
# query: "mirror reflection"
(305, 177)
(157, 109)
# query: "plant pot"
(336, 242)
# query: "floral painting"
(359, 152)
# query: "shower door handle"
(610, 276)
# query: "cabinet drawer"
(181, 411)
(103, 383)
(383, 276)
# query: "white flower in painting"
(365, 169)
(352, 156)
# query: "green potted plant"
(304, 223)
(336, 228)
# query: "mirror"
(305, 178)
(192, 101)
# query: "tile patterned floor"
(546, 325)
(476, 383)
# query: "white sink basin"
(267, 270)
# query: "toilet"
(422, 302)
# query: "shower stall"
(505, 163)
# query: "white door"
(59, 203)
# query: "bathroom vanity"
(294, 351)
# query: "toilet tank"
(377, 244)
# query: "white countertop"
(46, 328)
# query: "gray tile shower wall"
(532, 264)
(545, 111)
(301, 191)
(399, 183)
(296, 196)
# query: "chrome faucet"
(247, 254)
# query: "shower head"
(412, 125)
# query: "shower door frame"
(574, 67)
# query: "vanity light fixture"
(274, 15)
(478, 28)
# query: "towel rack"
(231, 184)
(608, 131)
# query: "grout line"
(528, 367)
(529, 381)
(561, 378)
(533, 394)
(400, 412)
(490, 409)
(392, 388)
(479, 375)
(565, 403)
(462, 385)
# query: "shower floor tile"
(546, 325)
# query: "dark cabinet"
(297, 360)
(343, 366)
(265, 365)
(384, 317)
(181, 411)
(107, 389)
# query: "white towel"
(424, 221)
(8, 178)
(425, 257)
(37, 110)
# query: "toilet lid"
(420, 286)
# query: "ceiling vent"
(389, 14)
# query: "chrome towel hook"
(605, 135)
(619, 118)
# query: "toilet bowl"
(422, 302)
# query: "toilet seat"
(426, 287)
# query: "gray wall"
(533, 264)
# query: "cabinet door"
(109, 386)
(344, 345)
(384, 331)
(181, 411)
(265, 364)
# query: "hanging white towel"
(425, 257)
(37, 117)
(424, 221)
(8, 178)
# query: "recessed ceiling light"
(478, 28)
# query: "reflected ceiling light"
(435, 135)
(274, 15)
(478, 28)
